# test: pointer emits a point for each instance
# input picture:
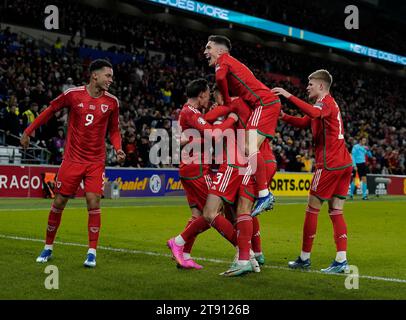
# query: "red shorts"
(329, 183)
(248, 188)
(71, 174)
(265, 119)
(226, 183)
(196, 191)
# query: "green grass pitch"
(133, 261)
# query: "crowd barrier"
(27, 181)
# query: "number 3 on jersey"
(89, 119)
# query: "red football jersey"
(89, 120)
(328, 133)
(233, 77)
(239, 107)
(192, 118)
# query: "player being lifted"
(92, 111)
(233, 78)
(333, 166)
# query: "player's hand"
(25, 140)
(281, 115)
(233, 116)
(281, 92)
(120, 156)
(183, 139)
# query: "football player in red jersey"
(333, 166)
(233, 78)
(245, 190)
(193, 169)
(92, 112)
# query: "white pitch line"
(148, 206)
(4, 236)
(158, 206)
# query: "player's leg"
(336, 207)
(93, 227)
(199, 197)
(187, 249)
(309, 233)
(94, 186)
(54, 220)
(264, 119)
(271, 167)
(322, 188)
(67, 183)
(218, 221)
(196, 193)
(257, 163)
(362, 171)
(245, 260)
(335, 211)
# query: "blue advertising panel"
(278, 28)
(146, 182)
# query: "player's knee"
(60, 201)
(209, 214)
(244, 206)
(93, 201)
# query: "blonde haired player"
(333, 166)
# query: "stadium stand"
(151, 86)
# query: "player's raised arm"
(313, 111)
(60, 102)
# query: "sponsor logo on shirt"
(80, 105)
(92, 107)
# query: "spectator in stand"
(68, 85)
(29, 115)
(12, 126)
(57, 146)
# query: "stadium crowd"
(376, 30)
(151, 90)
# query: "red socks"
(54, 220)
(256, 236)
(257, 163)
(309, 228)
(93, 227)
(189, 244)
(340, 228)
(225, 228)
(193, 228)
(244, 235)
